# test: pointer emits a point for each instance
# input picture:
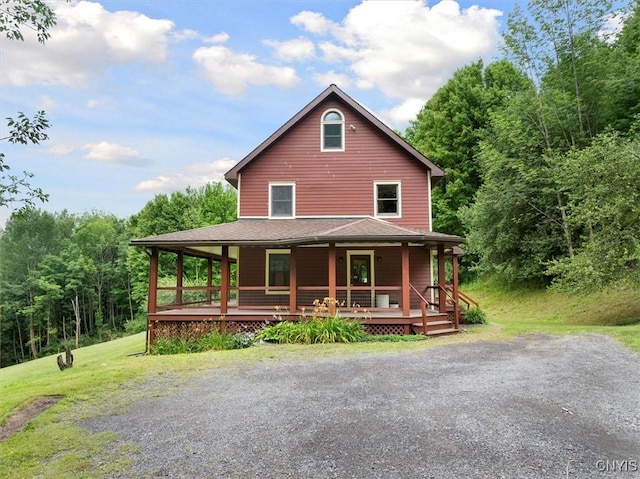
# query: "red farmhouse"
(334, 204)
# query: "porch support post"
(152, 303)
(179, 273)
(442, 292)
(456, 307)
(406, 292)
(224, 280)
(293, 284)
(332, 278)
(209, 280)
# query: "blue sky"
(150, 96)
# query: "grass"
(105, 379)
(108, 377)
(615, 313)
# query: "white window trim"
(293, 199)
(322, 123)
(372, 263)
(269, 252)
(398, 185)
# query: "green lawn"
(614, 313)
(105, 377)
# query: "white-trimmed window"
(277, 270)
(282, 200)
(387, 199)
(332, 131)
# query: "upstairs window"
(281, 200)
(332, 131)
(387, 199)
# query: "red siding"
(336, 183)
(312, 268)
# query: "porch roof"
(289, 232)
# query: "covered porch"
(393, 283)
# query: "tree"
(601, 184)
(15, 188)
(33, 14)
(449, 128)
(195, 208)
(39, 17)
(520, 220)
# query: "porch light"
(379, 259)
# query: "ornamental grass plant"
(318, 327)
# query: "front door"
(360, 277)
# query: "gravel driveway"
(530, 407)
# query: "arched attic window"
(332, 131)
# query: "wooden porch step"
(442, 332)
(435, 324)
(436, 327)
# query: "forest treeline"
(541, 150)
(69, 279)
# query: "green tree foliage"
(195, 208)
(56, 269)
(15, 16)
(602, 183)
(48, 261)
(523, 216)
(449, 128)
(35, 15)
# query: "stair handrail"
(423, 307)
(464, 297)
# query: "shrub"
(214, 341)
(136, 325)
(475, 315)
(170, 346)
(334, 329)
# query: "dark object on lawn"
(69, 363)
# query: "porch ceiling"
(290, 232)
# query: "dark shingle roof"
(286, 232)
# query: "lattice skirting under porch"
(196, 329)
(384, 329)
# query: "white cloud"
(114, 154)
(612, 26)
(405, 111)
(186, 34)
(231, 72)
(60, 149)
(47, 103)
(217, 38)
(314, 22)
(293, 50)
(406, 49)
(194, 175)
(86, 40)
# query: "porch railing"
(465, 298)
(261, 297)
